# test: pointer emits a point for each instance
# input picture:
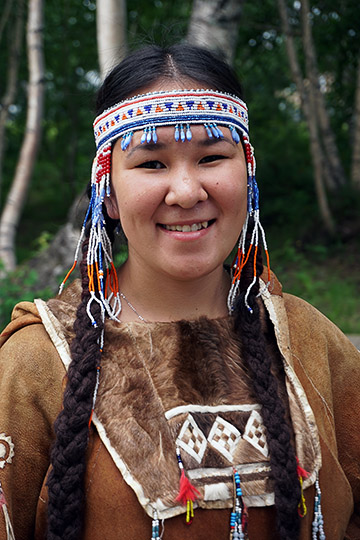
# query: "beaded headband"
(181, 109)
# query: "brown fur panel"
(149, 369)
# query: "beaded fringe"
(318, 523)
(238, 518)
(257, 234)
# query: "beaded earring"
(258, 232)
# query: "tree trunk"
(12, 73)
(214, 24)
(4, 16)
(318, 164)
(111, 33)
(308, 107)
(335, 170)
(16, 198)
(355, 162)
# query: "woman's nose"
(185, 189)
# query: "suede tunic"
(322, 369)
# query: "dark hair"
(139, 70)
(146, 66)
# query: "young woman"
(190, 400)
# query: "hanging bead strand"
(238, 518)
(318, 523)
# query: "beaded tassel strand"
(238, 522)
(252, 210)
(318, 523)
(301, 473)
(187, 492)
(155, 534)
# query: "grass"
(328, 280)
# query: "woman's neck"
(162, 298)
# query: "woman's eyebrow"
(147, 146)
(209, 142)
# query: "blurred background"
(299, 62)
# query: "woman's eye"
(210, 159)
(151, 165)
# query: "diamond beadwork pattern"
(255, 433)
(224, 437)
(191, 439)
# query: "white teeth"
(187, 228)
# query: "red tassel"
(300, 471)
(187, 492)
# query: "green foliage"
(18, 286)
(323, 277)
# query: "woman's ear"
(111, 207)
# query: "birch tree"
(335, 171)
(111, 31)
(306, 89)
(12, 71)
(214, 24)
(17, 195)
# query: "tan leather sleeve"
(31, 375)
(344, 361)
(328, 366)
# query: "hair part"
(146, 66)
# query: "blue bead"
(235, 135)
(144, 136)
(188, 133)
(221, 135)
(154, 135)
(182, 133)
(208, 131)
(214, 130)
(176, 134)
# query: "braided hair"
(66, 479)
(265, 386)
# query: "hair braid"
(282, 453)
(65, 482)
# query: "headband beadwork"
(180, 108)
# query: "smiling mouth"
(189, 228)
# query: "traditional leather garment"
(183, 383)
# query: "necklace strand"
(132, 307)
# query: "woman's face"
(181, 204)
